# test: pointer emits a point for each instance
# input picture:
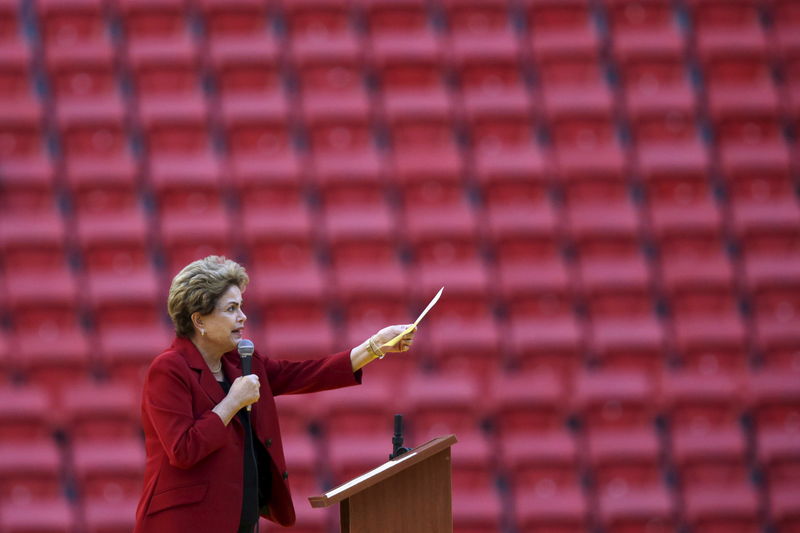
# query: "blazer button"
(285, 475)
(268, 443)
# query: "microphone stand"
(397, 439)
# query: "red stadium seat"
(153, 19)
(515, 173)
(613, 400)
(712, 457)
(289, 293)
(432, 228)
(50, 515)
(786, 18)
(783, 508)
(682, 207)
(175, 124)
(544, 462)
(624, 462)
(281, 235)
(478, 510)
(266, 180)
(191, 234)
(473, 464)
(103, 185)
(25, 413)
(350, 176)
(615, 286)
(561, 27)
(778, 455)
(526, 402)
(731, 26)
(302, 459)
(547, 343)
(315, 17)
(102, 516)
(126, 350)
(360, 411)
(644, 28)
(296, 413)
(9, 20)
(650, 509)
(392, 17)
(164, 68)
(67, 23)
(300, 339)
(49, 367)
(774, 399)
(467, 345)
(549, 293)
(97, 411)
(655, 85)
(244, 64)
(467, 282)
(30, 470)
(692, 400)
(255, 125)
(114, 241)
(522, 231)
(713, 341)
(33, 241)
(82, 70)
(352, 241)
(21, 128)
(552, 509)
(189, 184)
(233, 20)
(28, 185)
(733, 508)
(108, 469)
(605, 230)
(372, 288)
(696, 274)
(350, 456)
(628, 342)
(93, 128)
(114, 302)
(42, 302)
(438, 404)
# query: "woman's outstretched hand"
(390, 332)
(373, 347)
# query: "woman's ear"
(197, 320)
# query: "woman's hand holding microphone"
(244, 391)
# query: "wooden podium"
(409, 494)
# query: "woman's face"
(223, 326)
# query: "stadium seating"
(607, 190)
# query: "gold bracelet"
(374, 349)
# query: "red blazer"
(193, 474)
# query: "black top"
(250, 496)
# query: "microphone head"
(245, 348)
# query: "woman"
(212, 466)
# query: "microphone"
(245, 347)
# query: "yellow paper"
(411, 328)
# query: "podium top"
(386, 470)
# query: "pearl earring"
(203, 332)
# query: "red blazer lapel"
(195, 361)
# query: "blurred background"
(606, 188)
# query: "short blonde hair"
(199, 286)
